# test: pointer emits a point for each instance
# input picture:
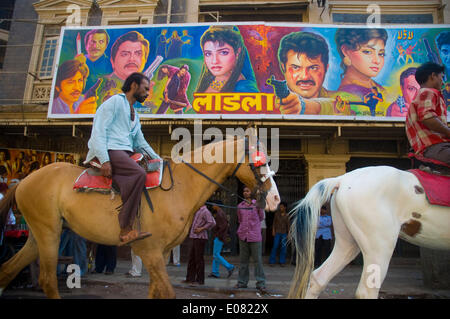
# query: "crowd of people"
(210, 222)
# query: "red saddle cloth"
(437, 187)
(91, 180)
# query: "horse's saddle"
(92, 180)
(429, 165)
(437, 187)
(434, 176)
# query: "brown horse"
(46, 199)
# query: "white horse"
(371, 208)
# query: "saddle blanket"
(437, 187)
(91, 180)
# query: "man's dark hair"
(132, 36)
(406, 73)
(308, 43)
(135, 77)
(92, 32)
(425, 70)
(443, 38)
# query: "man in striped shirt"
(426, 122)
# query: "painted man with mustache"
(116, 134)
(303, 59)
(70, 82)
(129, 54)
(96, 41)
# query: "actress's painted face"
(220, 59)
(369, 58)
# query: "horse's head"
(253, 170)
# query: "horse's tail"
(5, 205)
(305, 217)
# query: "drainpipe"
(169, 10)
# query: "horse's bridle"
(260, 159)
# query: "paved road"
(403, 281)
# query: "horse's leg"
(344, 251)
(48, 238)
(26, 255)
(377, 256)
(160, 286)
(377, 245)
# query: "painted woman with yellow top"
(227, 66)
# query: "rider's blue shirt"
(113, 130)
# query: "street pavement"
(403, 281)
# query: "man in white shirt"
(116, 134)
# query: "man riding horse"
(116, 133)
(426, 123)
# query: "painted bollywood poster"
(249, 70)
(16, 164)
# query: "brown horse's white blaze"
(46, 198)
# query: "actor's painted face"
(182, 72)
(444, 52)
(369, 58)
(410, 88)
(96, 46)
(130, 58)
(70, 89)
(304, 75)
(220, 59)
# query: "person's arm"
(435, 125)
(426, 113)
(141, 145)
(366, 97)
(209, 222)
(292, 105)
(379, 97)
(261, 214)
(100, 130)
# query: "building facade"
(309, 151)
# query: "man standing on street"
(250, 238)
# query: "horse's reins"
(213, 181)
(252, 166)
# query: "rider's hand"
(106, 169)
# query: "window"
(2, 52)
(268, 13)
(48, 57)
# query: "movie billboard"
(249, 70)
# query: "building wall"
(20, 43)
